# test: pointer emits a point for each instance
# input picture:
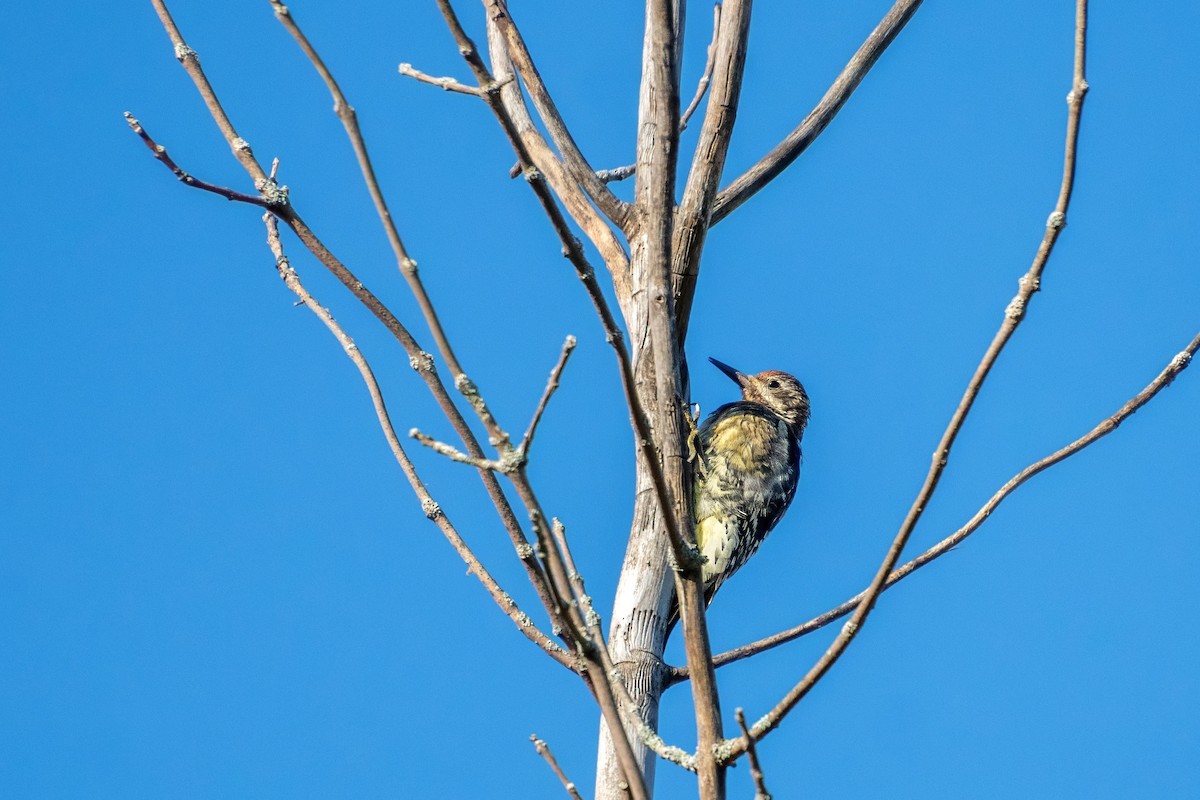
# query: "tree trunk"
(636, 635)
(637, 631)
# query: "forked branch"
(551, 387)
(188, 179)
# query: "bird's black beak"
(737, 377)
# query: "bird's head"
(776, 390)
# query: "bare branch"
(796, 142)
(617, 173)
(543, 750)
(706, 75)
(160, 153)
(449, 84)
(452, 453)
(551, 387)
(708, 162)
(431, 508)
(760, 786)
(581, 172)
(190, 60)
(1012, 318)
(1105, 427)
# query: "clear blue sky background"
(214, 582)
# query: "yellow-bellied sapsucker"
(747, 470)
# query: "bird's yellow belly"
(744, 441)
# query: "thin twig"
(1105, 427)
(447, 83)
(1012, 318)
(543, 750)
(706, 76)
(349, 118)
(708, 161)
(783, 154)
(617, 173)
(756, 773)
(431, 508)
(454, 454)
(190, 60)
(551, 388)
(160, 153)
(578, 588)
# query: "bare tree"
(651, 250)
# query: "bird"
(746, 473)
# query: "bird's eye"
(774, 384)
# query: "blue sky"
(216, 583)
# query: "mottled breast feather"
(744, 483)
